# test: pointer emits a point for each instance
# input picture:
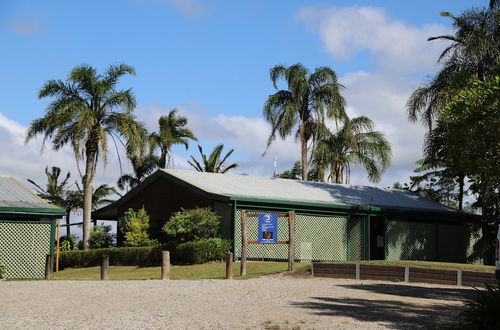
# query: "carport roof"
(245, 188)
(15, 198)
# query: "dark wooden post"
(244, 242)
(49, 258)
(291, 240)
(105, 267)
(229, 266)
(165, 265)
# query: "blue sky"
(211, 60)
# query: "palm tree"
(142, 168)
(474, 50)
(86, 111)
(355, 142)
(307, 101)
(100, 196)
(213, 163)
(55, 192)
(172, 131)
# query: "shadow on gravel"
(412, 291)
(394, 314)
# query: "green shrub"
(191, 225)
(123, 256)
(135, 226)
(2, 271)
(482, 309)
(202, 251)
(100, 237)
(68, 243)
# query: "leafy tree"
(172, 131)
(142, 167)
(100, 196)
(101, 237)
(190, 225)
(135, 227)
(308, 99)
(355, 142)
(86, 111)
(295, 173)
(214, 163)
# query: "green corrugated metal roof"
(16, 198)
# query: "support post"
(407, 274)
(229, 266)
(459, 277)
(165, 265)
(244, 242)
(49, 258)
(291, 240)
(358, 272)
(58, 246)
(105, 267)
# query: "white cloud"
(191, 8)
(26, 26)
(395, 45)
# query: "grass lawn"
(430, 264)
(216, 270)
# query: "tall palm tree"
(56, 192)
(142, 168)
(214, 163)
(355, 142)
(172, 131)
(474, 50)
(86, 111)
(307, 101)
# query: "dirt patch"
(273, 302)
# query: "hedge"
(122, 256)
(201, 251)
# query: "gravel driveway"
(267, 302)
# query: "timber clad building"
(333, 222)
(27, 230)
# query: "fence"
(24, 246)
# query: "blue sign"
(268, 228)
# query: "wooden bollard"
(165, 265)
(48, 266)
(229, 266)
(105, 267)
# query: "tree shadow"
(393, 314)
(412, 291)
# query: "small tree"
(194, 224)
(100, 237)
(135, 227)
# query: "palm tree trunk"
(461, 179)
(87, 194)
(163, 159)
(68, 231)
(303, 143)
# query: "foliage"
(2, 271)
(100, 196)
(214, 163)
(172, 131)
(100, 237)
(308, 99)
(88, 109)
(194, 224)
(295, 173)
(122, 256)
(135, 227)
(202, 251)
(142, 167)
(68, 243)
(54, 191)
(481, 309)
(355, 142)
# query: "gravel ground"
(267, 302)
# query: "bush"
(123, 256)
(135, 226)
(100, 237)
(482, 309)
(68, 243)
(2, 271)
(191, 225)
(202, 251)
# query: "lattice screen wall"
(325, 238)
(23, 247)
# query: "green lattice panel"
(411, 240)
(23, 247)
(356, 233)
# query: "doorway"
(377, 237)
